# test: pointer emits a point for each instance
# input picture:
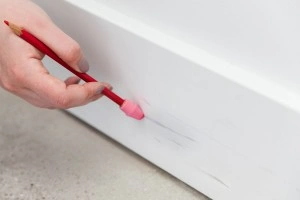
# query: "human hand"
(21, 70)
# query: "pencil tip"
(6, 22)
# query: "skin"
(21, 70)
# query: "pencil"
(131, 109)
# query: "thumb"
(63, 45)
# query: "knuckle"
(62, 102)
(73, 53)
(89, 91)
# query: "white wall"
(258, 35)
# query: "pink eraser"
(131, 109)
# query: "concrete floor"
(48, 154)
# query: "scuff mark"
(175, 142)
(170, 129)
(188, 126)
(214, 177)
(157, 140)
(182, 125)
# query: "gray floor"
(51, 155)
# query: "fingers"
(72, 80)
(78, 95)
(34, 84)
(63, 95)
(63, 45)
(31, 17)
(107, 85)
(23, 73)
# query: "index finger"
(57, 94)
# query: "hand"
(21, 70)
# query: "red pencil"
(128, 107)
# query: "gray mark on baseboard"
(170, 129)
(177, 121)
(214, 177)
(157, 140)
(175, 142)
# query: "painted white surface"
(259, 35)
(226, 129)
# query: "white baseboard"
(226, 131)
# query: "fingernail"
(107, 85)
(83, 65)
(100, 89)
(78, 81)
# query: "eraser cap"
(131, 109)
